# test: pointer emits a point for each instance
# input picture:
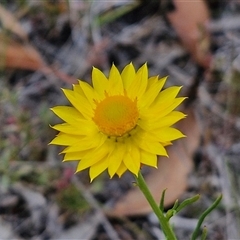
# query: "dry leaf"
(24, 56)
(11, 23)
(15, 55)
(172, 173)
(189, 20)
(12, 53)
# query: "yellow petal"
(166, 95)
(89, 93)
(80, 103)
(152, 80)
(115, 86)
(152, 92)
(78, 89)
(99, 82)
(128, 74)
(90, 159)
(97, 169)
(86, 143)
(122, 169)
(66, 128)
(168, 134)
(80, 127)
(68, 114)
(166, 143)
(149, 159)
(169, 120)
(153, 147)
(132, 158)
(74, 155)
(115, 158)
(139, 83)
(66, 139)
(170, 108)
(161, 110)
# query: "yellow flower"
(120, 123)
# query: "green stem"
(203, 216)
(162, 220)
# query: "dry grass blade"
(9, 22)
(91, 200)
(172, 173)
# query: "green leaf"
(161, 205)
(187, 202)
(203, 216)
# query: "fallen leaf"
(172, 173)
(189, 19)
(24, 56)
(16, 55)
(12, 53)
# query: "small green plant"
(69, 198)
(177, 207)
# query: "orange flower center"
(116, 115)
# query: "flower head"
(119, 123)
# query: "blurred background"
(47, 45)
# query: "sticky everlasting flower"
(120, 123)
